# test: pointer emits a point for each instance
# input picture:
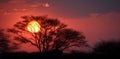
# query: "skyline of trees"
(57, 34)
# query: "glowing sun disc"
(33, 26)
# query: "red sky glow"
(96, 21)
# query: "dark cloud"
(77, 8)
(2, 1)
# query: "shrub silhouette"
(53, 35)
(107, 48)
(5, 42)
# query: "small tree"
(5, 44)
(53, 34)
(107, 48)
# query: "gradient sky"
(97, 19)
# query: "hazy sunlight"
(33, 26)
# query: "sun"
(33, 26)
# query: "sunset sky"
(97, 19)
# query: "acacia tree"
(53, 34)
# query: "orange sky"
(96, 26)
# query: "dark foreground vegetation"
(59, 55)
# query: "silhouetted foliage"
(53, 34)
(47, 55)
(5, 45)
(108, 48)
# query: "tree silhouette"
(107, 48)
(53, 34)
(5, 44)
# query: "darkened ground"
(102, 50)
(55, 56)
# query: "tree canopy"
(52, 35)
